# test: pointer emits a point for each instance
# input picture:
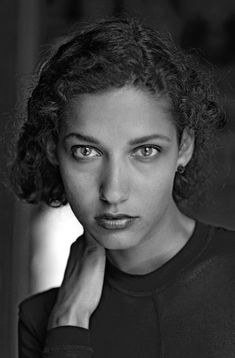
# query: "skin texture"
(111, 174)
(81, 289)
(113, 177)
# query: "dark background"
(27, 27)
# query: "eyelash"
(75, 147)
(99, 153)
(151, 146)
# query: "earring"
(180, 169)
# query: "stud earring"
(180, 169)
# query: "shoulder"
(220, 245)
(35, 310)
(222, 238)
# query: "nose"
(114, 186)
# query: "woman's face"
(118, 155)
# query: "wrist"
(78, 320)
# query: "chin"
(116, 241)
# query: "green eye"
(147, 151)
(84, 152)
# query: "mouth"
(115, 221)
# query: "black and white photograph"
(117, 179)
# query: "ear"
(51, 151)
(186, 147)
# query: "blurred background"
(35, 240)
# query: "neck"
(169, 236)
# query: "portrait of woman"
(121, 125)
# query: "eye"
(84, 152)
(147, 151)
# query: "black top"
(184, 309)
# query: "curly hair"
(110, 54)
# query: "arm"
(68, 341)
(64, 332)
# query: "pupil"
(147, 151)
(86, 151)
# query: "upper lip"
(108, 216)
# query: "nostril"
(113, 195)
(114, 184)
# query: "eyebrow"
(93, 140)
(149, 137)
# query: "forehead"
(125, 112)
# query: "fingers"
(91, 241)
(75, 255)
(81, 289)
(85, 245)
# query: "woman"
(118, 126)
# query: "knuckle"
(91, 250)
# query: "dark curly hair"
(109, 54)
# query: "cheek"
(157, 184)
(160, 175)
(80, 187)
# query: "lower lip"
(117, 224)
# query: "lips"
(115, 221)
(108, 216)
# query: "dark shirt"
(184, 309)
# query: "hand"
(81, 289)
